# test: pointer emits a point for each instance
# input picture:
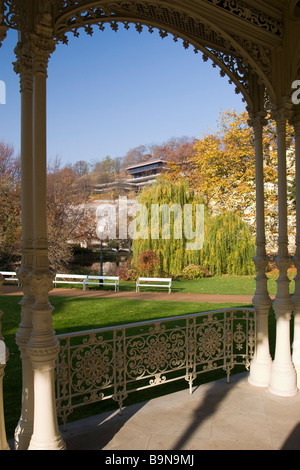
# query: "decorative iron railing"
(112, 362)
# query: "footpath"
(173, 297)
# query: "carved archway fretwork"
(235, 56)
(250, 15)
(3, 27)
(239, 9)
(16, 14)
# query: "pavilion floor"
(216, 416)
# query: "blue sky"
(115, 91)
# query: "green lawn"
(225, 284)
(77, 314)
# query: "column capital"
(283, 261)
(23, 274)
(261, 262)
(257, 120)
(23, 66)
(282, 114)
(41, 283)
(42, 49)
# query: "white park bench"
(102, 280)
(149, 282)
(10, 276)
(70, 279)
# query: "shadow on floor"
(293, 441)
(95, 432)
(208, 407)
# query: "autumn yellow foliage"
(222, 170)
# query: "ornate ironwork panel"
(113, 362)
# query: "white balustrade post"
(23, 67)
(260, 368)
(283, 374)
(43, 350)
(3, 359)
(296, 259)
(43, 345)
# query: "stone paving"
(216, 416)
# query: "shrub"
(133, 274)
(148, 263)
(127, 273)
(193, 271)
(123, 273)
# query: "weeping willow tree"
(169, 222)
(229, 245)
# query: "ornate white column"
(3, 359)
(260, 368)
(283, 374)
(23, 67)
(296, 296)
(43, 350)
(43, 345)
